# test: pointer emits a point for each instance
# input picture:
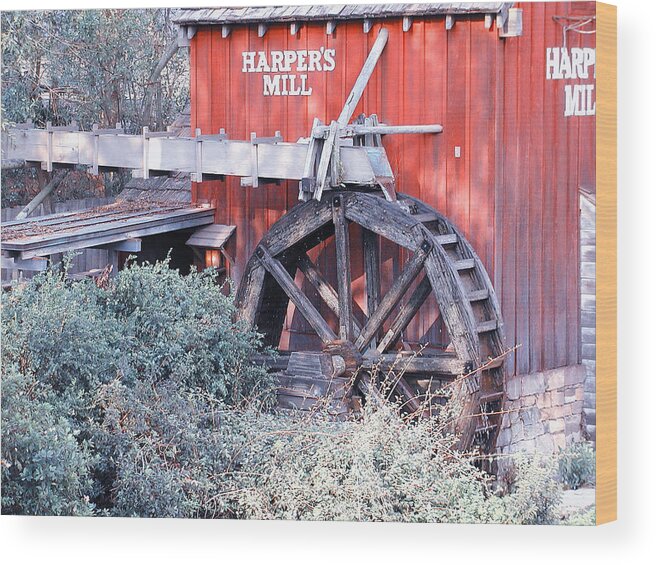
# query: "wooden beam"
(405, 315)
(352, 130)
(449, 22)
(43, 194)
(127, 246)
(225, 31)
(343, 260)
(330, 27)
(324, 161)
(302, 302)
(262, 29)
(363, 78)
(393, 296)
(367, 24)
(325, 290)
(407, 23)
(294, 28)
(447, 365)
(250, 295)
(34, 264)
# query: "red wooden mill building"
(512, 87)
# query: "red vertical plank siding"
(513, 190)
(537, 147)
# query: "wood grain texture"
(606, 263)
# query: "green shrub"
(140, 399)
(149, 326)
(576, 465)
(46, 468)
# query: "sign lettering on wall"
(574, 63)
(285, 73)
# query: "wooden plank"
(405, 315)
(249, 295)
(383, 218)
(477, 295)
(155, 218)
(451, 298)
(446, 365)
(343, 260)
(324, 160)
(135, 232)
(393, 297)
(34, 264)
(127, 246)
(303, 219)
(149, 155)
(302, 303)
(365, 74)
(371, 252)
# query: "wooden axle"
(322, 132)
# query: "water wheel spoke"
(371, 252)
(302, 302)
(405, 315)
(343, 260)
(393, 296)
(325, 290)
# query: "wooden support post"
(198, 175)
(326, 154)
(393, 296)
(308, 182)
(96, 143)
(254, 168)
(343, 260)
(113, 261)
(302, 302)
(145, 140)
(49, 142)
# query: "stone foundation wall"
(544, 411)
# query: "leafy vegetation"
(140, 399)
(576, 465)
(90, 66)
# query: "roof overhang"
(271, 14)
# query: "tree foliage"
(91, 66)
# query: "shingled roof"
(270, 14)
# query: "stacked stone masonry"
(544, 411)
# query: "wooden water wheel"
(440, 262)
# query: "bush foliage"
(140, 399)
(577, 464)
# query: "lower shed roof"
(101, 226)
